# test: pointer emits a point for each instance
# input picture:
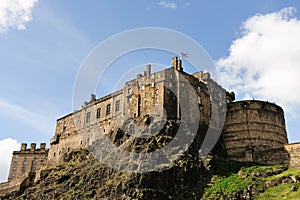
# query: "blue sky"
(44, 44)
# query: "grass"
(289, 172)
(233, 178)
(280, 192)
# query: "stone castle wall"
(27, 160)
(159, 95)
(24, 162)
(251, 127)
(294, 153)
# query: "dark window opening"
(117, 105)
(88, 117)
(23, 169)
(98, 113)
(108, 109)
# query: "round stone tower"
(252, 127)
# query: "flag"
(184, 55)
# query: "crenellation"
(32, 146)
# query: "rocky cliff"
(82, 176)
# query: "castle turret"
(253, 127)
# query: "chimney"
(179, 65)
(32, 146)
(201, 74)
(92, 98)
(43, 146)
(148, 72)
(206, 76)
(23, 146)
(176, 63)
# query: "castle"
(253, 131)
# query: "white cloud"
(39, 122)
(15, 14)
(7, 146)
(264, 62)
(165, 4)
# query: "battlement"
(32, 148)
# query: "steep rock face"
(81, 176)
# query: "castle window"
(146, 94)
(108, 109)
(64, 128)
(146, 103)
(171, 75)
(129, 99)
(54, 154)
(129, 90)
(152, 84)
(14, 169)
(98, 114)
(143, 87)
(88, 117)
(117, 105)
(23, 169)
(156, 91)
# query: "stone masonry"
(24, 162)
(150, 94)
